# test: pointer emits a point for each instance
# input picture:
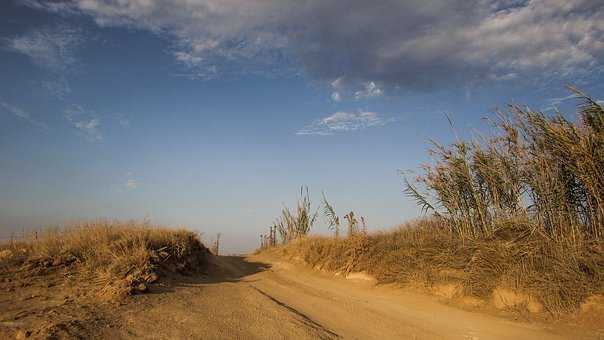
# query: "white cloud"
(336, 97)
(124, 122)
(52, 48)
(345, 87)
(554, 103)
(370, 90)
(187, 58)
(90, 128)
(560, 100)
(342, 121)
(51, 6)
(338, 83)
(417, 44)
(18, 112)
(338, 87)
(131, 184)
(209, 34)
(86, 122)
(121, 119)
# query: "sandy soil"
(254, 297)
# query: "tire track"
(306, 320)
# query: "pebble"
(141, 287)
(21, 334)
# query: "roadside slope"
(359, 310)
(258, 297)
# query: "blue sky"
(211, 114)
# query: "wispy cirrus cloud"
(86, 122)
(342, 121)
(18, 112)
(554, 103)
(559, 100)
(52, 48)
(59, 87)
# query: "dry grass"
(538, 174)
(522, 209)
(119, 258)
(291, 225)
(423, 252)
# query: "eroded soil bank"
(258, 297)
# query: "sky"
(211, 114)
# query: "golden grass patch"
(119, 257)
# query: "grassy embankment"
(519, 214)
(118, 258)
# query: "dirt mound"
(64, 284)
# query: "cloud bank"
(394, 44)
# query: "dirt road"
(259, 298)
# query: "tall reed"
(538, 174)
(292, 224)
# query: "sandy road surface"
(259, 298)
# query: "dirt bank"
(259, 297)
